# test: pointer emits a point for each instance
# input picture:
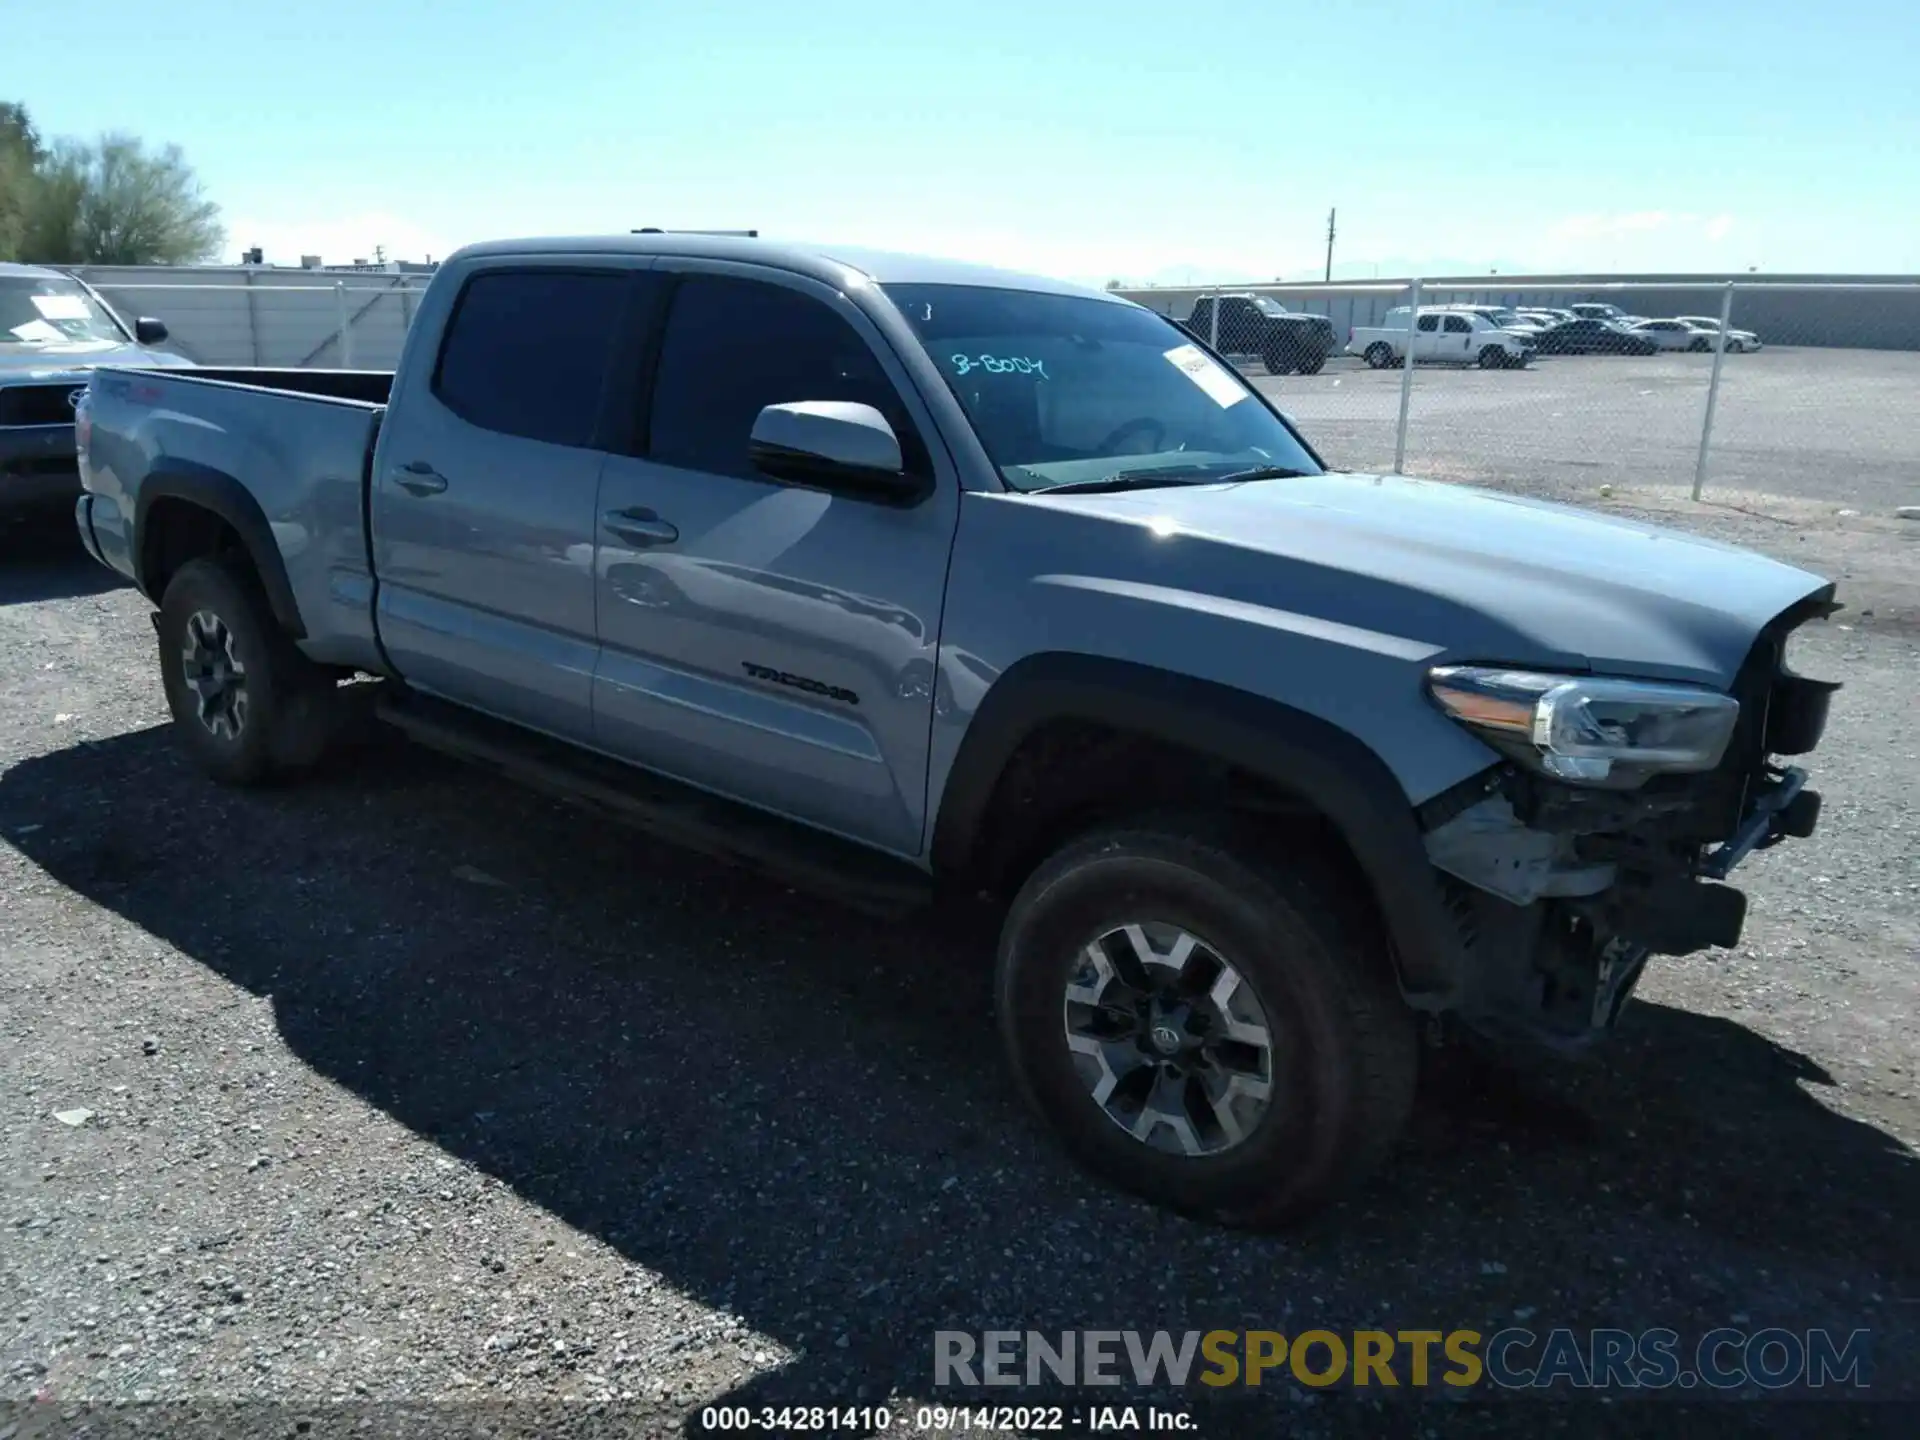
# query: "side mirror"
(149, 331)
(835, 444)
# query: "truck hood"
(73, 358)
(1471, 574)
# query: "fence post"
(1713, 391)
(1214, 340)
(253, 318)
(1406, 383)
(346, 325)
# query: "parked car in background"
(1504, 316)
(53, 330)
(1260, 327)
(1547, 315)
(1594, 310)
(1737, 340)
(1440, 336)
(1592, 337)
(1674, 334)
(915, 581)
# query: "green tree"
(20, 155)
(114, 202)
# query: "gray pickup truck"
(53, 330)
(910, 580)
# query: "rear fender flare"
(222, 495)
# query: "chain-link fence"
(1810, 391)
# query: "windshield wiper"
(1155, 479)
(1262, 472)
(1122, 480)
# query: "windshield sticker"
(60, 307)
(1194, 363)
(999, 365)
(37, 332)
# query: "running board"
(666, 809)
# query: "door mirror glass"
(149, 331)
(840, 444)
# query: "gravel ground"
(405, 1086)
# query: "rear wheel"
(1379, 355)
(1216, 1034)
(246, 704)
(1313, 366)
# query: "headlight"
(1589, 730)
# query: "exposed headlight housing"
(1587, 729)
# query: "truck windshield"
(47, 310)
(1064, 390)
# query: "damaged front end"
(1602, 837)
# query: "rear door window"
(527, 352)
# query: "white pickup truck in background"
(1440, 336)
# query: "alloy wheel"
(215, 675)
(1170, 1039)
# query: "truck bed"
(283, 453)
(366, 387)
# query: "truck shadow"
(801, 1117)
(41, 559)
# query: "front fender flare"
(1327, 768)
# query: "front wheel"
(1218, 1034)
(1492, 357)
(246, 704)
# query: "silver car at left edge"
(53, 330)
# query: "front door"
(483, 503)
(763, 640)
(1456, 339)
(1426, 338)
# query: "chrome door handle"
(420, 478)
(640, 526)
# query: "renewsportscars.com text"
(1514, 1358)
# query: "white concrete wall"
(241, 315)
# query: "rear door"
(763, 640)
(484, 498)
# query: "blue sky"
(1201, 140)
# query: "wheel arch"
(171, 492)
(1334, 775)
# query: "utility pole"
(1330, 215)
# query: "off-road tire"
(289, 704)
(1344, 1049)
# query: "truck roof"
(33, 272)
(832, 264)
